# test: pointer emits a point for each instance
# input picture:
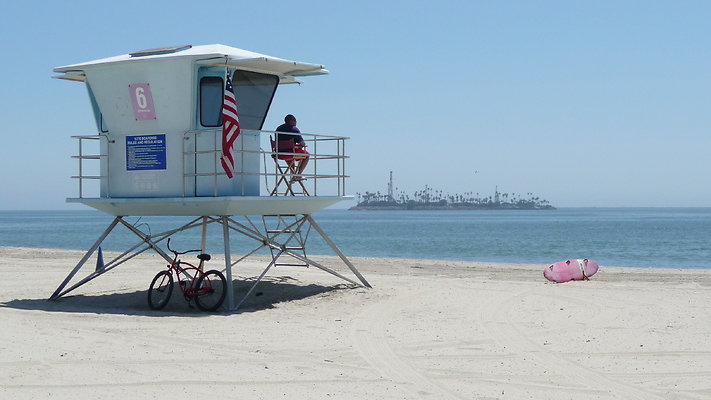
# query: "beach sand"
(427, 329)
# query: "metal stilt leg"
(148, 241)
(85, 258)
(145, 240)
(228, 264)
(203, 241)
(336, 250)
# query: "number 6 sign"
(142, 101)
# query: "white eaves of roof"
(214, 54)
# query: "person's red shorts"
(297, 150)
(301, 150)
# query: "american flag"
(230, 129)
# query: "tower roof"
(211, 55)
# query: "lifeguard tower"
(160, 139)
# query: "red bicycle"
(208, 289)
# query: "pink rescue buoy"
(570, 270)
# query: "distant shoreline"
(442, 208)
(430, 199)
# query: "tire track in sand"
(369, 336)
(503, 328)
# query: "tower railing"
(96, 168)
(325, 174)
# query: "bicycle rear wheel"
(160, 290)
(212, 289)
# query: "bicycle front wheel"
(160, 290)
(211, 290)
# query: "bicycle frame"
(186, 272)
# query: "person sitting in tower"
(288, 134)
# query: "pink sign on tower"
(142, 101)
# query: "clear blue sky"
(604, 103)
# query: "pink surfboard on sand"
(570, 270)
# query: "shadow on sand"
(267, 293)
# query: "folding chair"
(286, 173)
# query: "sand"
(427, 329)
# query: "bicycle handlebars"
(181, 252)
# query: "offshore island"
(432, 199)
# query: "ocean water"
(634, 237)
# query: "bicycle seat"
(204, 257)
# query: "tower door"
(207, 138)
(254, 93)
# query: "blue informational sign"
(145, 152)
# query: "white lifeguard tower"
(159, 141)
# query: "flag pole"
(230, 125)
(227, 69)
